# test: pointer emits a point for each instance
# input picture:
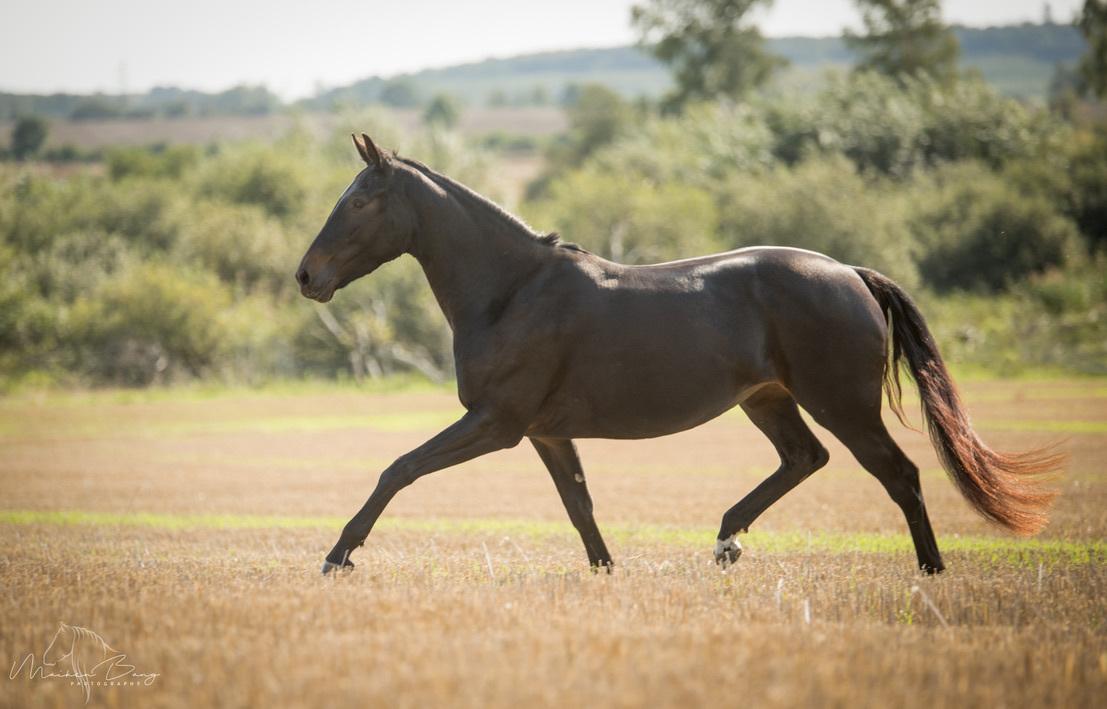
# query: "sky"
(295, 47)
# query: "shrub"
(709, 142)
(969, 120)
(894, 130)
(442, 111)
(160, 161)
(147, 213)
(154, 322)
(1056, 320)
(1088, 173)
(977, 233)
(267, 179)
(241, 244)
(821, 205)
(258, 334)
(144, 213)
(28, 137)
(629, 219)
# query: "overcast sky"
(294, 46)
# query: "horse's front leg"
(474, 435)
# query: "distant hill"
(1018, 59)
(531, 78)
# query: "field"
(94, 134)
(186, 528)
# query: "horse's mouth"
(324, 295)
(318, 295)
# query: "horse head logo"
(79, 652)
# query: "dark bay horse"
(554, 343)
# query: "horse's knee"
(807, 459)
(398, 475)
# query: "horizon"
(141, 61)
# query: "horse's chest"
(513, 371)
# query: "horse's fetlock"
(820, 457)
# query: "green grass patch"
(1000, 549)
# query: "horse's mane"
(100, 643)
(466, 195)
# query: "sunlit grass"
(1002, 549)
(221, 504)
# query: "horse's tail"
(1003, 487)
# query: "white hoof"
(727, 551)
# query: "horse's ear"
(372, 156)
(361, 149)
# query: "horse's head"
(61, 645)
(371, 225)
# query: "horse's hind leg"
(561, 459)
(851, 411)
(772, 410)
(872, 445)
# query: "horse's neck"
(472, 261)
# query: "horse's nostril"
(302, 277)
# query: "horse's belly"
(646, 366)
(621, 406)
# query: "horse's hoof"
(727, 551)
(346, 565)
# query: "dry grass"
(194, 527)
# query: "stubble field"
(186, 529)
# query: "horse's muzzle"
(303, 278)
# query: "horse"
(554, 343)
(83, 653)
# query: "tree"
(709, 44)
(442, 111)
(1093, 65)
(596, 117)
(28, 135)
(905, 38)
(400, 93)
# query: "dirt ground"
(186, 530)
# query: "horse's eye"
(359, 203)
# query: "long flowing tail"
(1003, 487)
